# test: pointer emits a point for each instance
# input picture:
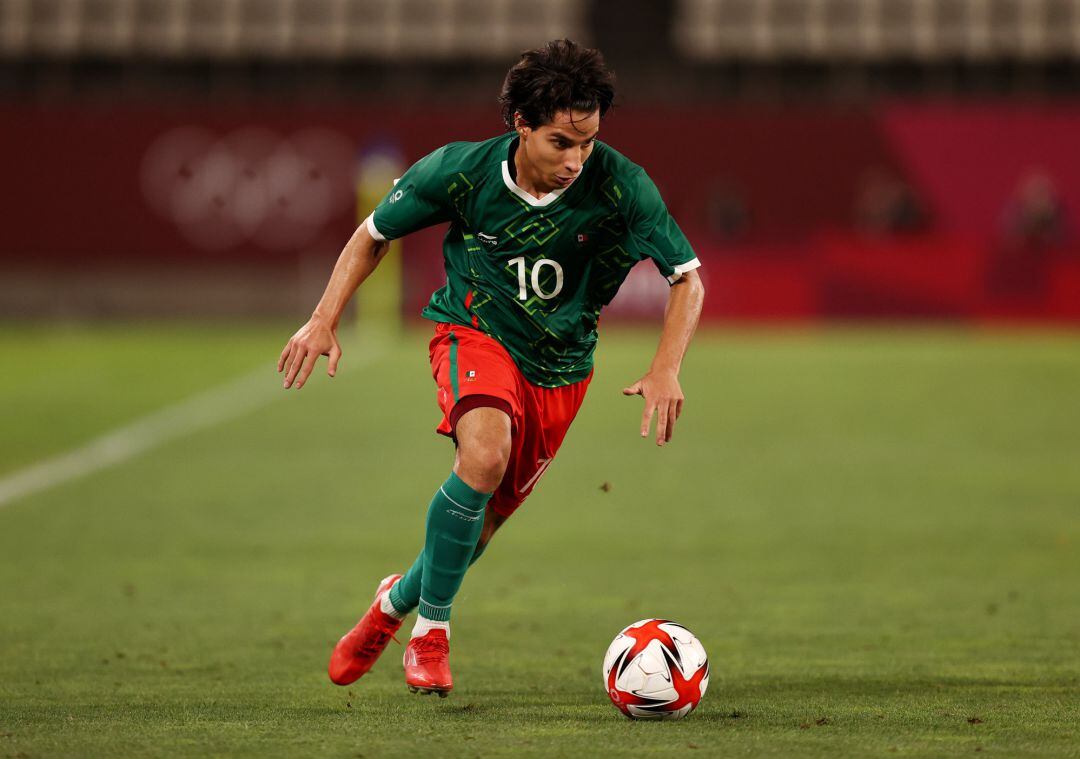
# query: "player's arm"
(319, 336)
(660, 386)
(417, 200)
(654, 234)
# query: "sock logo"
(462, 515)
(469, 515)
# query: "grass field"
(875, 534)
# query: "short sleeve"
(654, 233)
(417, 200)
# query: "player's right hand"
(314, 339)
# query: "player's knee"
(485, 463)
(483, 447)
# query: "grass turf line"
(874, 531)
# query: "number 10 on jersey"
(538, 267)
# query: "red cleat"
(358, 650)
(427, 664)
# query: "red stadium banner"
(903, 211)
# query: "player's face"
(557, 151)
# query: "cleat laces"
(431, 650)
(374, 646)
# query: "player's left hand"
(663, 396)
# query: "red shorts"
(473, 370)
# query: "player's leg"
(455, 525)
(483, 437)
(478, 392)
(548, 413)
(483, 451)
(455, 522)
(486, 454)
(476, 379)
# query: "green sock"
(454, 522)
(405, 594)
(480, 548)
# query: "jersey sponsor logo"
(396, 196)
(487, 239)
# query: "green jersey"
(533, 273)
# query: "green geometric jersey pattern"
(533, 273)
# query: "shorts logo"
(470, 376)
(487, 239)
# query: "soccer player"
(543, 223)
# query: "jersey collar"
(547, 200)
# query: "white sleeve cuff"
(369, 222)
(682, 269)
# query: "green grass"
(875, 534)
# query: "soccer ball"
(656, 669)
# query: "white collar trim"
(531, 200)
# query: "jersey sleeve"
(417, 200)
(654, 233)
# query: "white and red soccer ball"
(656, 669)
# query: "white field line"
(207, 409)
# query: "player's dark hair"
(560, 76)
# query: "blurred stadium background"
(875, 518)
(828, 158)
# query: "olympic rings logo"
(249, 186)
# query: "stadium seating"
(271, 29)
(704, 30)
(717, 30)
